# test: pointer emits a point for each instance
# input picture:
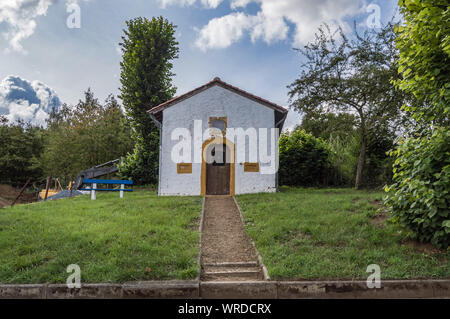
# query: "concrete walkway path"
(227, 252)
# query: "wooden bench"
(94, 188)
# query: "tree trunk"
(362, 159)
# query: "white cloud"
(270, 28)
(29, 101)
(211, 3)
(239, 3)
(20, 16)
(166, 3)
(206, 3)
(293, 119)
(270, 22)
(222, 32)
(118, 50)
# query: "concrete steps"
(232, 271)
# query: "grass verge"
(139, 237)
(306, 234)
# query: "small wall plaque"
(184, 168)
(251, 167)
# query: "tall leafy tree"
(351, 75)
(148, 48)
(424, 64)
(419, 196)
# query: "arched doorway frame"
(230, 145)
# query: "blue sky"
(247, 43)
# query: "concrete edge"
(87, 291)
(390, 289)
(193, 289)
(260, 259)
(238, 290)
(23, 291)
(175, 289)
(200, 230)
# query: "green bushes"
(419, 197)
(304, 159)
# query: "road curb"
(193, 289)
(162, 290)
(238, 290)
(87, 291)
(23, 291)
(358, 289)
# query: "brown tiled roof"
(217, 81)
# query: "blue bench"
(94, 188)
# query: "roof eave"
(157, 109)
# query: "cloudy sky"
(45, 59)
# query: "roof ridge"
(209, 84)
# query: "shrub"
(304, 159)
(419, 196)
(140, 165)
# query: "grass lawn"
(334, 234)
(140, 237)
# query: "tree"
(148, 48)
(21, 146)
(424, 61)
(344, 75)
(339, 131)
(343, 159)
(83, 136)
(419, 196)
(378, 167)
(325, 125)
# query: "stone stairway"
(227, 253)
(232, 271)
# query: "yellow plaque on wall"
(184, 168)
(251, 167)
